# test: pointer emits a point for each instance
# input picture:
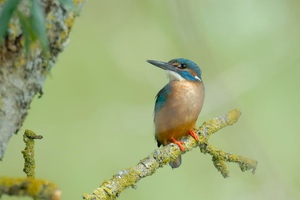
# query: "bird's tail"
(175, 163)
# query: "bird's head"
(180, 69)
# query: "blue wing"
(161, 97)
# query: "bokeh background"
(96, 115)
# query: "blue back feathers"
(161, 97)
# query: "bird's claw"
(178, 143)
(194, 135)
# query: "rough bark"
(22, 74)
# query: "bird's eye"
(183, 66)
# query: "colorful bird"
(178, 104)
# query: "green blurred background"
(96, 115)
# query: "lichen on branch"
(35, 188)
(111, 189)
(28, 153)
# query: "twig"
(111, 189)
(28, 153)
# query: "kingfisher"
(178, 104)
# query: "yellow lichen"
(64, 35)
(70, 20)
(76, 2)
(13, 28)
(28, 153)
(37, 189)
(20, 62)
(110, 189)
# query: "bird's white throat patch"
(174, 76)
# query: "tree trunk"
(22, 74)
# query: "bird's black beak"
(163, 65)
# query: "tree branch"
(110, 189)
(28, 153)
(37, 189)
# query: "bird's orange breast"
(179, 113)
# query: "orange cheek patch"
(192, 72)
(176, 64)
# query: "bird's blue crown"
(184, 65)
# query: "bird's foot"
(194, 135)
(179, 144)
